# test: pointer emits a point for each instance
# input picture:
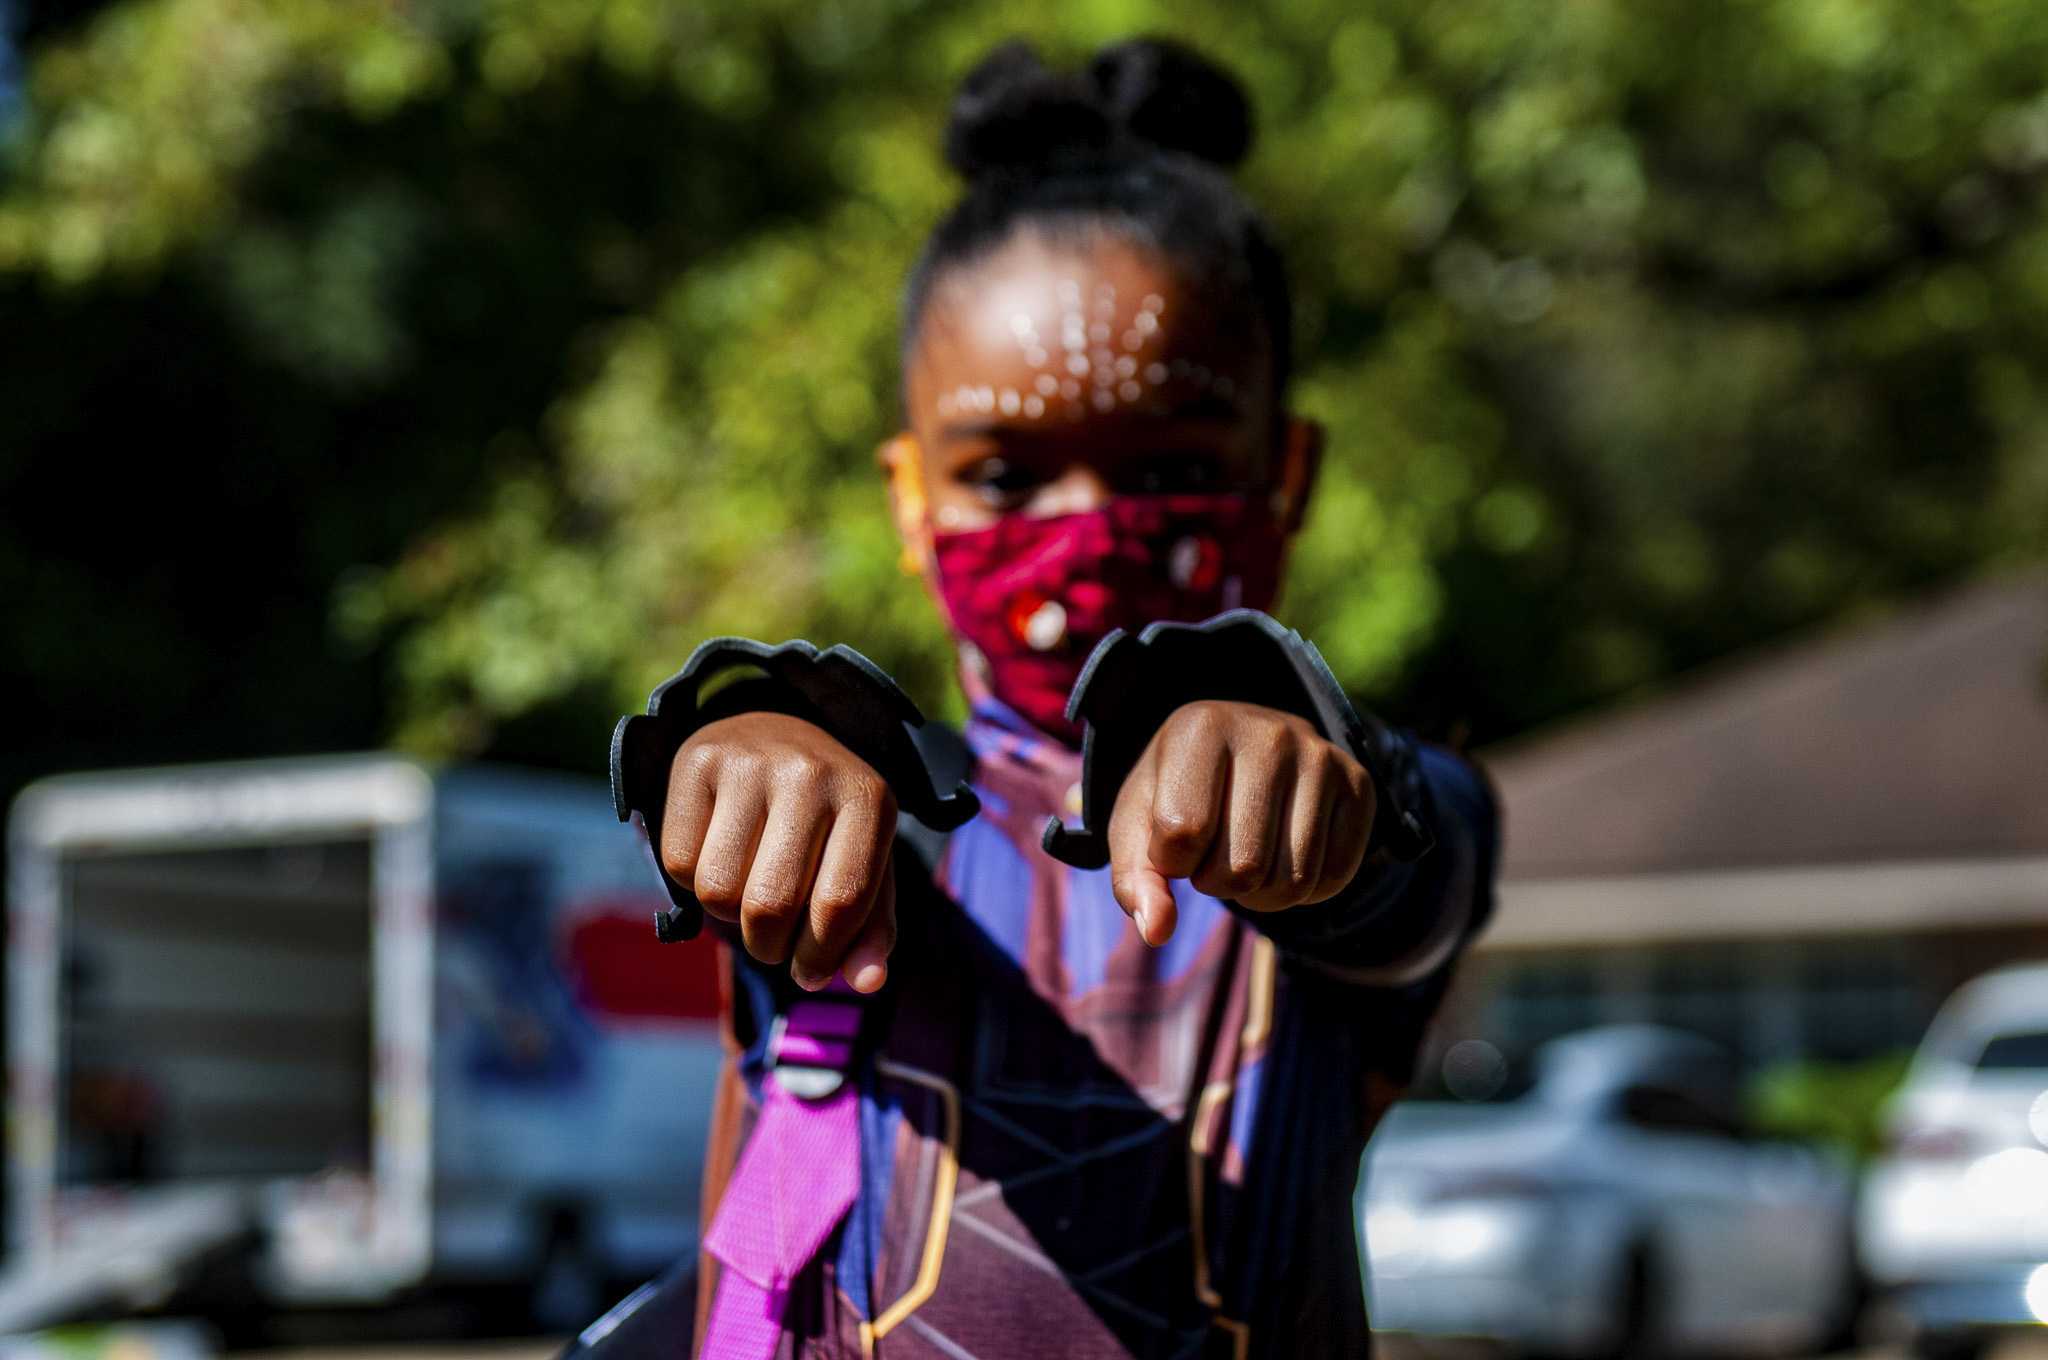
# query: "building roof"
(1922, 737)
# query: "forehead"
(1048, 331)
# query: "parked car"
(1954, 1223)
(1620, 1205)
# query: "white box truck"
(391, 1025)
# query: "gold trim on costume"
(930, 1263)
(1258, 1018)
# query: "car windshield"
(2015, 1052)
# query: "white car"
(1620, 1206)
(1954, 1222)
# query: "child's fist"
(775, 825)
(1249, 803)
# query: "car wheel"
(1635, 1306)
(1841, 1330)
(1631, 1305)
(569, 1286)
(1951, 1345)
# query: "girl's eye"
(1180, 472)
(1000, 480)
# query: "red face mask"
(1032, 597)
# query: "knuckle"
(771, 892)
(1179, 828)
(835, 903)
(860, 787)
(798, 769)
(1357, 779)
(715, 886)
(678, 863)
(1244, 870)
(741, 764)
(1227, 880)
(758, 914)
(696, 761)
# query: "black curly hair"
(1139, 142)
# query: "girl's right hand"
(776, 826)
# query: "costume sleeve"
(837, 689)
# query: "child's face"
(1048, 378)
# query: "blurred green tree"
(522, 345)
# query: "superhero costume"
(1069, 1144)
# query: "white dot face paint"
(1110, 354)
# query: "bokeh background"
(435, 375)
(440, 372)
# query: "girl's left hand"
(1248, 803)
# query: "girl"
(984, 1102)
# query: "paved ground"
(1393, 1348)
(535, 1348)
(1400, 1348)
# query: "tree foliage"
(519, 346)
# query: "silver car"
(1955, 1216)
(1619, 1206)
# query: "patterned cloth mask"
(1030, 597)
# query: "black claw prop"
(838, 688)
(1133, 683)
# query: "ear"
(1301, 459)
(902, 463)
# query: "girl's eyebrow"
(1210, 406)
(1208, 409)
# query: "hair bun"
(1014, 113)
(1172, 96)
